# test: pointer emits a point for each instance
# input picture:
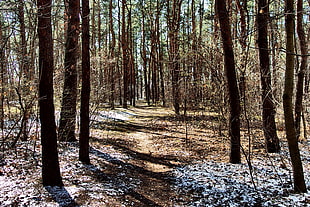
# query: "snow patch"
(224, 184)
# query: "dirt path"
(156, 141)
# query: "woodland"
(154, 103)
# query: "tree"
(144, 56)
(50, 164)
(302, 68)
(68, 108)
(174, 16)
(85, 93)
(234, 99)
(298, 175)
(2, 72)
(269, 124)
(194, 47)
(124, 43)
(131, 72)
(111, 57)
(24, 69)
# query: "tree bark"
(24, 76)
(174, 56)
(2, 73)
(154, 60)
(131, 59)
(50, 164)
(85, 93)
(124, 42)
(302, 67)
(69, 97)
(145, 59)
(269, 124)
(298, 175)
(112, 56)
(234, 99)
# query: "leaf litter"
(116, 177)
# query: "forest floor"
(147, 156)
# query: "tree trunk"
(50, 164)
(162, 77)
(69, 96)
(174, 56)
(112, 61)
(125, 55)
(234, 99)
(119, 48)
(131, 59)
(299, 181)
(85, 93)
(196, 78)
(2, 73)
(24, 73)
(145, 60)
(302, 67)
(269, 124)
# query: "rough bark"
(131, 59)
(24, 76)
(50, 164)
(269, 124)
(2, 73)
(145, 61)
(302, 68)
(112, 56)
(230, 71)
(69, 96)
(298, 175)
(174, 56)
(124, 42)
(85, 93)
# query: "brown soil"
(157, 141)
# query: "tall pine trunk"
(269, 124)
(302, 67)
(234, 98)
(85, 93)
(145, 59)
(2, 73)
(174, 16)
(50, 164)
(112, 56)
(69, 96)
(23, 87)
(299, 181)
(124, 42)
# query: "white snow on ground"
(20, 180)
(115, 115)
(223, 184)
(206, 183)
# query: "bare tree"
(85, 93)
(302, 68)
(298, 174)
(111, 57)
(2, 72)
(174, 16)
(50, 164)
(144, 57)
(269, 111)
(234, 98)
(68, 107)
(124, 43)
